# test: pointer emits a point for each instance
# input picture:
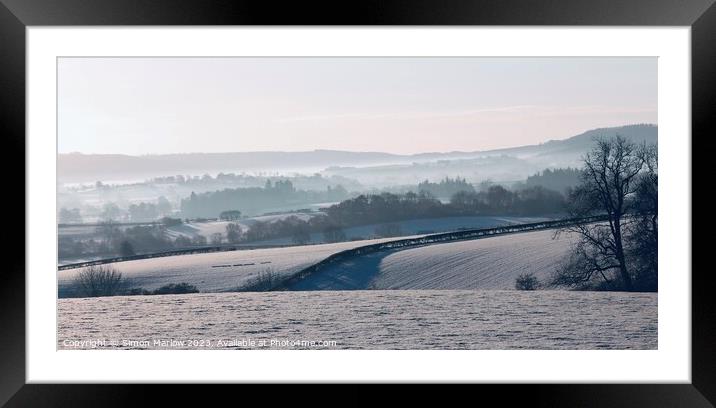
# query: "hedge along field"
(288, 267)
(218, 271)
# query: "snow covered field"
(487, 263)
(400, 319)
(219, 271)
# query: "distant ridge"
(637, 133)
(78, 167)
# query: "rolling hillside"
(487, 263)
(217, 271)
(492, 262)
(77, 167)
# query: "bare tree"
(610, 180)
(233, 232)
(99, 280)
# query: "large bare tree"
(613, 174)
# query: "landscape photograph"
(318, 203)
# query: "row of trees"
(496, 200)
(384, 208)
(114, 240)
(150, 211)
(445, 188)
(309, 182)
(281, 193)
(561, 180)
(387, 209)
(137, 212)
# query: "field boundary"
(184, 251)
(431, 239)
(398, 243)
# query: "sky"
(141, 106)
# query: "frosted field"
(486, 263)
(404, 319)
(219, 271)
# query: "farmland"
(215, 272)
(488, 263)
(404, 319)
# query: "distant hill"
(77, 167)
(504, 166)
(584, 141)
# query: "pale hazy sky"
(397, 105)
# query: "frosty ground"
(220, 271)
(207, 229)
(450, 295)
(486, 263)
(388, 319)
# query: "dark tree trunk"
(628, 286)
(626, 278)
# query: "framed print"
(437, 193)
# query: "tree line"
(136, 212)
(114, 240)
(384, 208)
(280, 193)
(445, 188)
(560, 179)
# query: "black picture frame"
(16, 15)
